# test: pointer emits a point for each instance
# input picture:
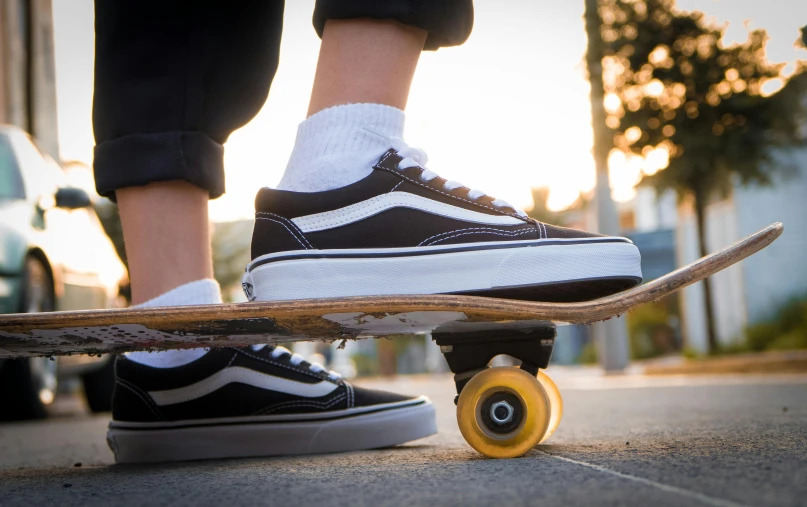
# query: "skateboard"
(502, 412)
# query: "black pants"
(174, 78)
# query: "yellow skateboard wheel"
(503, 412)
(555, 403)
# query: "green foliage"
(690, 353)
(650, 331)
(402, 342)
(365, 365)
(681, 89)
(727, 349)
(758, 336)
(589, 354)
(673, 88)
(786, 330)
(231, 251)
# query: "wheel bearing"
(501, 413)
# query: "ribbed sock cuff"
(339, 129)
(200, 292)
(332, 148)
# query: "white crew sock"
(200, 292)
(332, 149)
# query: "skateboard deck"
(239, 324)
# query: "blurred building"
(746, 293)
(753, 290)
(650, 221)
(27, 70)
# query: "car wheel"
(98, 385)
(28, 385)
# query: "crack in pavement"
(719, 502)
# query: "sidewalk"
(665, 441)
(791, 361)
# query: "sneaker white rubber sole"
(338, 431)
(444, 269)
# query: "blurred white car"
(54, 255)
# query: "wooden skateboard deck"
(119, 330)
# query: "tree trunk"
(611, 337)
(607, 216)
(700, 217)
(603, 138)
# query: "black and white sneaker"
(254, 401)
(405, 230)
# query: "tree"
(607, 216)
(674, 90)
(541, 212)
(231, 252)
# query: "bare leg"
(364, 60)
(166, 224)
(167, 235)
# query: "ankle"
(167, 236)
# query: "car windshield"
(10, 180)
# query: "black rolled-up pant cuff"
(139, 159)
(449, 22)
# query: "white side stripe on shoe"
(242, 376)
(383, 202)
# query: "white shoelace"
(296, 359)
(415, 157)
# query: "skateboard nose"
(501, 412)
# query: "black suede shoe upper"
(402, 226)
(138, 388)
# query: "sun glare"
(506, 112)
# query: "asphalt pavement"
(624, 440)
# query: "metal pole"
(611, 337)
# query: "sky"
(505, 112)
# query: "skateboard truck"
(468, 353)
(503, 411)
